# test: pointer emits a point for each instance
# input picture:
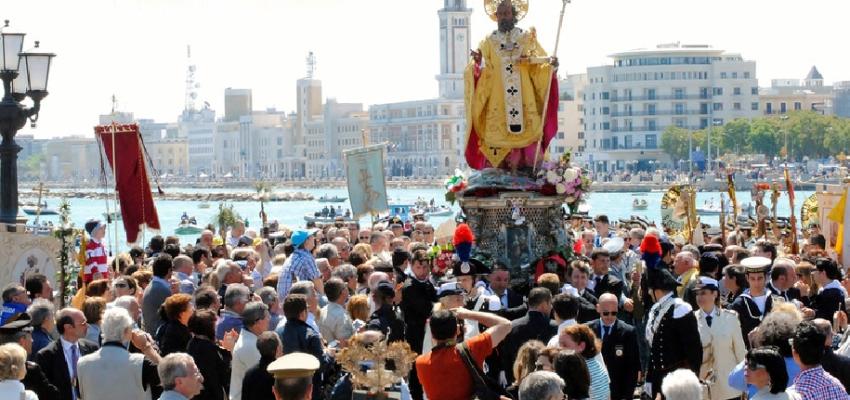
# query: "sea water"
(291, 214)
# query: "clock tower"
(454, 47)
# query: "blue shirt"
(736, 377)
(229, 320)
(186, 284)
(40, 340)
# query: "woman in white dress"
(13, 368)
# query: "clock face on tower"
(460, 38)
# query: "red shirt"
(443, 374)
(95, 260)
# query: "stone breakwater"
(201, 197)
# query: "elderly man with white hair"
(98, 372)
(681, 384)
(541, 385)
(180, 377)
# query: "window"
(717, 107)
(650, 94)
(679, 93)
(605, 126)
(581, 135)
(680, 122)
(754, 91)
(782, 108)
(703, 123)
(736, 106)
(734, 75)
(798, 106)
(746, 75)
(627, 141)
(722, 75)
(560, 135)
(736, 91)
(718, 91)
(679, 108)
(606, 111)
(605, 96)
(650, 109)
(703, 108)
(703, 93)
(754, 106)
(769, 108)
(651, 125)
(651, 141)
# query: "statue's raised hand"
(476, 56)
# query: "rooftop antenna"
(114, 104)
(311, 65)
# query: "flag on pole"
(131, 181)
(367, 190)
(841, 215)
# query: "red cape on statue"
(523, 157)
(134, 192)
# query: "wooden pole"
(549, 87)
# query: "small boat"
(438, 211)
(204, 205)
(639, 204)
(318, 218)
(709, 208)
(335, 199)
(113, 216)
(584, 208)
(639, 194)
(187, 228)
(34, 210)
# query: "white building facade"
(630, 103)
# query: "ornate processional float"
(514, 200)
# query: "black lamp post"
(24, 74)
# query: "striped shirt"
(300, 266)
(95, 260)
(599, 380)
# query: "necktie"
(708, 319)
(598, 282)
(74, 358)
(606, 330)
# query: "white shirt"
(553, 342)
(245, 356)
(66, 348)
(760, 301)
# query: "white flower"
(560, 188)
(552, 177)
(571, 174)
(571, 199)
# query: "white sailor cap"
(756, 264)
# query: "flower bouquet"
(564, 179)
(455, 184)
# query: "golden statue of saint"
(506, 84)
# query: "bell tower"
(454, 47)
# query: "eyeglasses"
(608, 313)
(754, 367)
(122, 285)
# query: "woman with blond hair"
(13, 368)
(525, 362)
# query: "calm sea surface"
(615, 205)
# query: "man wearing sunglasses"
(619, 347)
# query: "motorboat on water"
(640, 204)
(39, 209)
(188, 226)
(334, 199)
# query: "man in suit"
(782, 279)
(602, 282)
(59, 359)
(535, 325)
(498, 282)
(19, 330)
(155, 294)
(579, 275)
(619, 348)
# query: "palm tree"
(225, 217)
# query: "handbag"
(485, 387)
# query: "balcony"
(662, 97)
(633, 147)
(657, 128)
(657, 112)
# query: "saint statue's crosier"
(506, 84)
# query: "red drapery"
(523, 157)
(131, 181)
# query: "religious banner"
(127, 162)
(367, 190)
(24, 254)
(827, 201)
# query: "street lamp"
(24, 74)
(785, 131)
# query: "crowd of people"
(263, 315)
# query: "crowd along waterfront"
(291, 213)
